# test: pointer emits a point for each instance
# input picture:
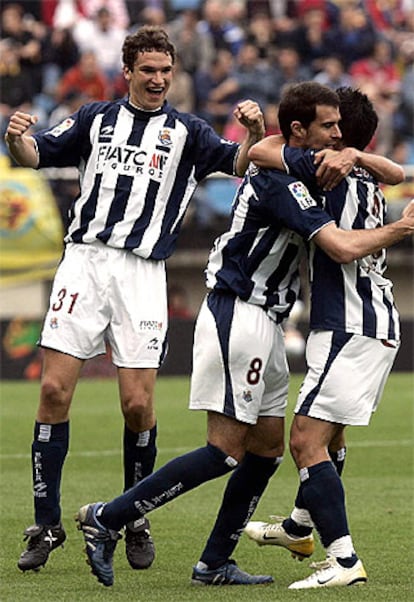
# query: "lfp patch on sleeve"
(302, 195)
(62, 127)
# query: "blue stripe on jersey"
(338, 342)
(135, 237)
(283, 272)
(257, 259)
(118, 206)
(222, 308)
(364, 289)
(132, 162)
(88, 211)
(392, 333)
(355, 297)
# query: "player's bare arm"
(336, 165)
(20, 144)
(251, 117)
(268, 152)
(344, 246)
(333, 165)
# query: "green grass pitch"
(378, 479)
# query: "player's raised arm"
(250, 116)
(22, 146)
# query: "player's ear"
(127, 73)
(297, 129)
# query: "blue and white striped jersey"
(257, 259)
(354, 297)
(138, 171)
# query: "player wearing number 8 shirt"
(240, 374)
(140, 161)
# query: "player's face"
(150, 80)
(324, 131)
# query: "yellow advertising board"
(31, 229)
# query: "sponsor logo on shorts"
(153, 345)
(150, 325)
(54, 323)
(247, 396)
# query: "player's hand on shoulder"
(333, 166)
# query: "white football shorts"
(239, 361)
(104, 294)
(346, 376)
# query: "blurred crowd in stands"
(58, 54)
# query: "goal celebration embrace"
(309, 195)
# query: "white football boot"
(330, 573)
(274, 534)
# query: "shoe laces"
(36, 539)
(322, 565)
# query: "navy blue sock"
(49, 449)
(291, 526)
(241, 496)
(139, 455)
(171, 480)
(324, 497)
(338, 458)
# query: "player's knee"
(54, 400)
(297, 446)
(138, 408)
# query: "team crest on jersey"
(302, 195)
(165, 137)
(62, 127)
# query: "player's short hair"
(299, 102)
(359, 119)
(148, 38)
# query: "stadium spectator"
(98, 33)
(260, 31)
(404, 121)
(60, 52)
(353, 37)
(309, 36)
(178, 303)
(378, 69)
(16, 89)
(152, 14)
(181, 93)
(140, 161)
(85, 78)
(224, 33)
(26, 44)
(333, 73)
(285, 69)
(214, 98)
(117, 9)
(250, 77)
(195, 48)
